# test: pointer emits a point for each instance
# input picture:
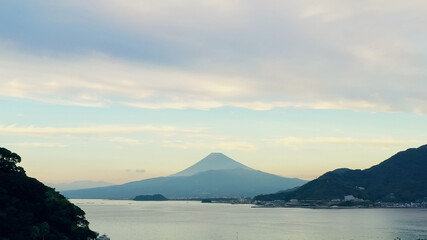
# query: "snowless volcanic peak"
(214, 161)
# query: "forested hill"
(401, 178)
(29, 210)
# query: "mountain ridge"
(402, 177)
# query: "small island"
(155, 197)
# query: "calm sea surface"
(131, 220)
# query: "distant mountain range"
(78, 185)
(214, 176)
(401, 178)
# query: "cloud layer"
(97, 130)
(359, 55)
(294, 141)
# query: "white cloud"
(96, 130)
(336, 10)
(243, 146)
(289, 141)
(98, 81)
(39, 144)
(229, 145)
(129, 141)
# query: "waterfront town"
(348, 201)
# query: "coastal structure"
(103, 237)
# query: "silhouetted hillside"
(31, 210)
(401, 178)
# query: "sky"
(118, 91)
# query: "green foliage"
(31, 210)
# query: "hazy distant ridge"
(78, 185)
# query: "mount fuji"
(214, 176)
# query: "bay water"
(188, 220)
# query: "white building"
(349, 198)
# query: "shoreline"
(254, 205)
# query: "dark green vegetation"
(226, 178)
(401, 178)
(155, 197)
(30, 210)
